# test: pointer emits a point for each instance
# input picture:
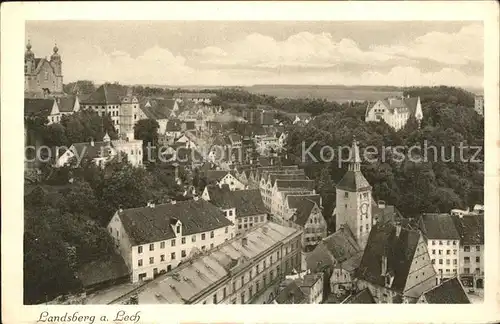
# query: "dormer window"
(178, 229)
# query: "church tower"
(354, 200)
(56, 62)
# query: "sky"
(214, 53)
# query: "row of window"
(467, 271)
(448, 261)
(467, 259)
(183, 240)
(447, 242)
(251, 219)
(448, 252)
(172, 256)
(314, 239)
(467, 248)
(367, 226)
(314, 230)
(363, 195)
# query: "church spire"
(355, 159)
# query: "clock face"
(364, 208)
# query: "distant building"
(450, 291)
(156, 238)
(395, 111)
(443, 244)
(221, 177)
(479, 104)
(130, 146)
(163, 111)
(42, 77)
(395, 266)
(44, 108)
(471, 263)
(244, 270)
(202, 97)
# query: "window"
(211, 245)
(447, 242)
(264, 264)
(367, 227)
(139, 262)
(440, 271)
(346, 194)
(447, 262)
(162, 257)
(440, 242)
(455, 252)
(466, 248)
(234, 286)
(162, 245)
(224, 293)
(230, 212)
(183, 253)
(151, 260)
(203, 236)
(440, 252)
(433, 261)
(193, 238)
(278, 255)
(454, 242)
(433, 251)
(215, 299)
(257, 269)
(239, 226)
(271, 259)
(478, 270)
(212, 234)
(448, 252)
(271, 274)
(361, 229)
(261, 218)
(264, 279)
(455, 261)
(433, 242)
(242, 297)
(478, 248)
(172, 255)
(172, 242)
(466, 260)
(257, 284)
(466, 270)
(178, 229)
(139, 249)
(183, 240)
(440, 261)
(151, 247)
(250, 274)
(447, 270)
(478, 259)
(250, 292)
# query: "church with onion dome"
(42, 77)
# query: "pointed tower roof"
(353, 179)
(106, 138)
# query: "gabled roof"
(353, 181)
(362, 297)
(299, 184)
(294, 201)
(106, 94)
(87, 150)
(291, 294)
(397, 103)
(399, 251)
(448, 292)
(284, 176)
(388, 213)
(302, 213)
(38, 107)
(152, 224)
(470, 228)
(246, 202)
(66, 104)
(216, 175)
(438, 226)
(159, 109)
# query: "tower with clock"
(354, 200)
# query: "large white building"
(244, 270)
(156, 238)
(395, 111)
(443, 244)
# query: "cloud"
(458, 48)
(300, 50)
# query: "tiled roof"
(302, 184)
(448, 292)
(389, 213)
(362, 297)
(294, 201)
(299, 176)
(353, 181)
(246, 202)
(291, 294)
(66, 104)
(187, 282)
(438, 226)
(303, 212)
(111, 267)
(38, 107)
(159, 109)
(310, 279)
(398, 250)
(470, 228)
(152, 224)
(395, 103)
(216, 175)
(106, 94)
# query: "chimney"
(195, 198)
(173, 202)
(384, 265)
(381, 204)
(151, 204)
(120, 209)
(244, 241)
(91, 142)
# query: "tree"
(147, 131)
